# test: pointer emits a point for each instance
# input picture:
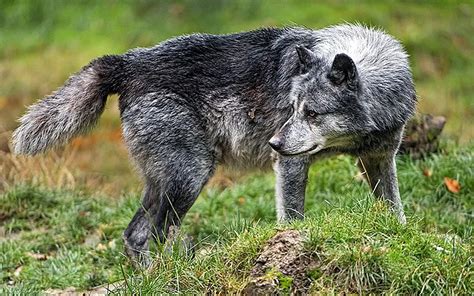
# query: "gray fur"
(291, 178)
(193, 102)
(70, 111)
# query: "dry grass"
(96, 163)
(51, 170)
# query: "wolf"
(272, 96)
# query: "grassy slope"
(361, 246)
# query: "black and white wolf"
(281, 96)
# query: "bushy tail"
(70, 111)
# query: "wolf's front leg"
(381, 173)
(291, 176)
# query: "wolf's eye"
(311, 113)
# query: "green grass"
(360, 245)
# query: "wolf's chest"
(244, 138)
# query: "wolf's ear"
(306, 57)
(344, 69)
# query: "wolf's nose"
(275, 143)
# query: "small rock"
(92, 240)
(422, 135)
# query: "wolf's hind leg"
(291, 179)
(167, 139)
(137, 234)
(184, 178)
(381, 173)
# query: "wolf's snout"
(276, 143)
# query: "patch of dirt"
(282, 266)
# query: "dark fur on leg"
(137, 234)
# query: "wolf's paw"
(139, 256)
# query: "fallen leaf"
(452, 185)
(84, 214)
(112, 244)
(17, 271)
(101, 247)
(427, 172)
(241, 200)
(37, 256)
(92, 240)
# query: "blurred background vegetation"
(43, 42)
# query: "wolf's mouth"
(300, 153)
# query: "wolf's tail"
(70, 111)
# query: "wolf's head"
(327, 113)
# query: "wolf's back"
(71, 110)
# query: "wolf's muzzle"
(276, 144)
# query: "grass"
(361, 248)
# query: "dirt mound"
(282, 266)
